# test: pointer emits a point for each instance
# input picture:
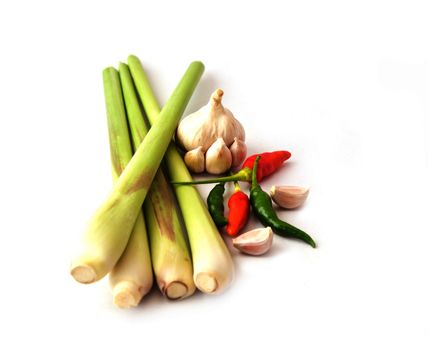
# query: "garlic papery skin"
(206, 125)
(218, 158)
(239, 152)
(254, 242)
(289, 197)
(195, 160)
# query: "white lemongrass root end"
(126, 294)
(206, 282)
(176, 290)
(83, 273)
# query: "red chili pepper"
(239, 210)
(268, 164)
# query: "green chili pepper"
(215, 205)
(262, 206)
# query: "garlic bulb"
(209, 123)
(254, 242)
(218, 158)
(239, 151)
(289, 197)
(195, 160)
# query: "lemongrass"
(170, 256)
(109, 229)
(213, 268)
(132, 276)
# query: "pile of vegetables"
(136, 233)
(257, 167)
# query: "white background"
(343, 85)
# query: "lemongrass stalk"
(170, 256)
(213, 268)
(132, 276)
(109, 229)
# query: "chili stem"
(236, 186)
(243, 175)
(254, 182)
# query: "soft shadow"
(278, 176)
(275, 250)
(233, 252)
(203, 91)
(154, 300)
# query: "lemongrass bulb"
(212, 263)
(171, 261)
(218, 158)
(132, 276)
(195, 160)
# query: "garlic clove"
(254, 242)
(195, 160)
(239, 152)
(289, 197)
(218, 158)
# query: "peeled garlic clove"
(218, 158)
(254, 242)
(289, 197)
(195, 160)
(239, 152)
